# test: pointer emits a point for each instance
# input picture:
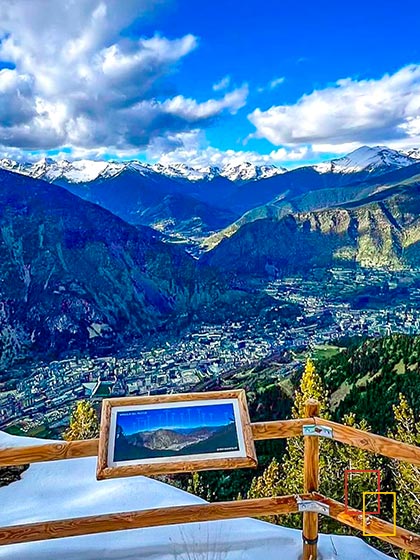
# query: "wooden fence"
(310, 502)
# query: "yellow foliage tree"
(84, 423)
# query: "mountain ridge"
(365, 158)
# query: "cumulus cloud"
(75, 78)
(349, 113)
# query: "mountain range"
(191, 203)
(93, 255)
(368, 159)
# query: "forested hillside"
(367, 378)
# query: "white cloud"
(222, 85)
(191, 110)
(79, 81)
(273, 84)
(349, 113)
(191, 148)
(276, 82)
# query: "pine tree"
(84, 423)
(406, 476)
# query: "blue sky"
(207, 82)
(176, 418)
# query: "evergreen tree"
(406, 476)
(84, 423)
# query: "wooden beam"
(279, 429)
(374, 525)
(146, 518)
(372, 442)
(311, 484)
(11, 456)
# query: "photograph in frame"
(172, 433)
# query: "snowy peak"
(367, 159)
(80, 171)
(246, 171)
(183, 171)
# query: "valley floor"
(344, 303)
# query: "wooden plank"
(146, 518)
(372, 442)
(102, 462)
(153, 469)
(49, 452)
(279, 429)
(311, 484)
(246, 428)
(375, 526)
(180, 397)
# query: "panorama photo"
(196, 429)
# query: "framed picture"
(166, 434)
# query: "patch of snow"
(64, 489)
(80, 171)
(411, 152)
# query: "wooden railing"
(311, 503)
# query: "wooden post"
(311, 483)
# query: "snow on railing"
(311, 504)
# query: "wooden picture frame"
(152, 435)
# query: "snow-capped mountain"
(81, 171)
(367, 159)
(85, 171)
(246, 171)
(235, 172)
(78, 171)
(11, 165)
(183, 171)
